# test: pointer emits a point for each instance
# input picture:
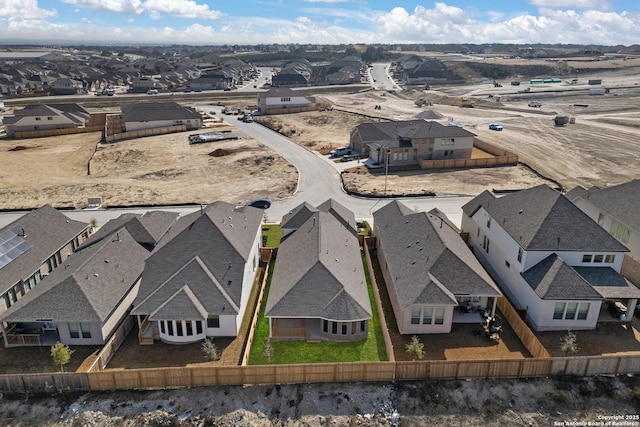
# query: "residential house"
(65, 86)
(432, 277)
(294, 74)
(405, 143)
(159, 114)
(84, 302)
(279, 98)
(143, 84)
(220, 79)
(318, 289)
(197, 281)
(31, 247)
(46, 117)
(616, 210)
(552, 261)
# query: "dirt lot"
(488, 403)
(155, 170)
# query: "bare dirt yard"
(65, 171)
(492, 403)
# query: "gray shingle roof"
(88, 286)
(146, 229)
(553, 279)
(48, 231)
(427, 260)
(301, 213)
(608, 282)
(205, 250)
(319, 274)
(386, 133)
(542, 219)
(622, 202)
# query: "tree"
(61, 355)
(569, 344)
(211, 351)
(415, 348)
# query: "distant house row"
(187, 278)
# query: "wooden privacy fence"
(56, 132)
(102, 359)
(528, 338)
(265, 256)
(144, 132)
(501, 158)
(291, 110)
(161, 378)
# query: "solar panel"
(12, 245)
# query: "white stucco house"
(550, 259)
(281, 97)
(616, 210)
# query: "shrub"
(415, 348)
(211, 351)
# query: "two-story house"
(405, 143)
(616, 210)
(549, 257)
(279, 98)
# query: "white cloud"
(180, 8)
(25, 9)
(326, 1)
(572, 4)
(116, 6)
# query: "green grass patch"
(371, 349)
(273, 233)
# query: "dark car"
(260, 203)
(617, 309)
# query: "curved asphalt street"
(319, 180)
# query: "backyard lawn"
(288, 352)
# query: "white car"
(495, 126)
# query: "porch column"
(4, 335)
(631, 307)
(493, 309)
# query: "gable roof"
(301, 213)
(206, 250)
(88, 287)
(278, 92)
(409, 129)
(428, 261)
(553, 279)
(156, 111)
(146, 229)
(542, 219)
(319, 274)
(622, 201)
(47, 231)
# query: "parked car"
(535, 104)
(495, 126)
(152, 92)
(260, 203)
(340, 151)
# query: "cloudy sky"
(608, 22)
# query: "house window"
(213, 321)
(448, 141)
(415, 316)
(334, 328)
(162, 327)
(619, 231)
(519, 254)
(439, 316)
(446, 153)
(37, 118)
(415, 154)
(609, 258)
(600, 218)
(344, 329)
(572, 309)
(179, 328)
(285, 99)
(189, 326)
(427, 315)
(586, 258)
(485, 244)
(583, 310)
(354, 328)
(170, 327)
(5, 300)
(478, 232)
(558, 311)
(598, 258)
(74, 332)
(85, 328)
(325, 326)
(49, 118)
(363, 325)
(198, 327)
